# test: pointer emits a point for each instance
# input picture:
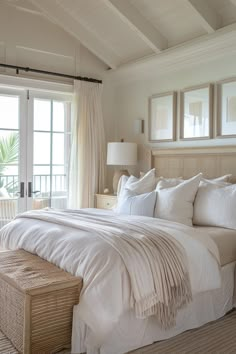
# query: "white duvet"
(106, 291)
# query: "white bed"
(107, 288)
(132, 333)
(104, 304)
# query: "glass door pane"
(10, 108)
(51, 144)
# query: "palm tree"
(9, 149)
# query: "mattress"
(225, 240)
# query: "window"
(34, 151)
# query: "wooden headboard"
(187, 162)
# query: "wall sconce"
(139, 126)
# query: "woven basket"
(36, 303)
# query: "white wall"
(131, 99)
(31, 40)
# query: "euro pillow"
(215, 205)
(145, 184)
(172, 182)
(169, 182)
(176, 203)
(225, 178)
(121, 184)
(131, 204)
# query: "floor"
(218, 337)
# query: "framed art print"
(196, 108)
(226, 108)
(162, 117)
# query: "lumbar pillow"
(142, 185)
(215, 205)
(131, 204)
(176, 203)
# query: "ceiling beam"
(207, 16)
(144, 29)
(202, 49)
(55, 13)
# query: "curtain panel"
(88, 150)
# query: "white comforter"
(106, 292)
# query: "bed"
(105, 321)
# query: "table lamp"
(121, 154)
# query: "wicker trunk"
(36, 303)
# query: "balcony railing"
(42, 183)
(52, 192)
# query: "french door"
(35, 140)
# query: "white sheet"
(225, 240)
(106, 293)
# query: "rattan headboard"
(187, 162)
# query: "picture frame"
(226, 108)
(196, 112)
(162, 117)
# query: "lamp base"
(116, 177)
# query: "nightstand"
(105, 201)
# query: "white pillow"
(215, 205)
(121, 184)
(168, 182)
(172, 182)
(142, 204)
(225, 178)
(142, 185)
(176, 203)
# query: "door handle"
(30, 192)
(21, 193)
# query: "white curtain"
(88, 150)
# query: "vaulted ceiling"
(125, 31)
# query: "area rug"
(5, 346)
(218, 337)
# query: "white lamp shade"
(122, 154)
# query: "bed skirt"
(132, 333)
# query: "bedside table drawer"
(105, 201)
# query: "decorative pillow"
(142, 204)
(215, 205)
(176, 203)
(225, 178)
(172, 182)
(121, 184)
(168, 182)
(142, 185)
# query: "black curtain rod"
(18, 68)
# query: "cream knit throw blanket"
(155, 261)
